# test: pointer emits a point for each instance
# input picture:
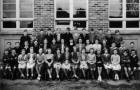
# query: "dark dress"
(99, 61)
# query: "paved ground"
(68, 85)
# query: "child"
(71, 45)
(39, 63)
(31, 58)
(36, 46)
(134, 62)
(113, 47)
(83, 62)
(88, 46)
(22, 60)
(8, 47)
(17, 48)
(49, 58)
(26, 47)
(75, 62)
(6, 62)
(107, 62)
(125, 63)
(97, 46)
(117, 38)
(122, 48)
(132, 47)
(54, 46)
(115, 61)
(45, 45)
(99, 63)
(14, 63)
(91, 59)
(66, 63)
(57, 62)
(80, 45)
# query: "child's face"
(6, 52)
(113, 45)
(58, 51)
(67, 49)
(53, 41)
(115, 51)
(62, 41)
(96, 41)
(49, 51)
(71, 41)
(13, 51)
(45, 41)
(125, 53)
(133, 53)
(26, 43)
(80, 40)
(87, 41)
(40, 50)
(83, 51)
(17, 44)
(91, 50)
(23, 52)
(106, 51)
(132, 45)
(74, 48)
(35, 42)
(8, 45)
(31, 50)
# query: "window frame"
(124, 19)
(17, 19)
(71, 18)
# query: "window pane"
(79, 8)
(79, 4)
(9, 1)
(79, 14)
(26, 8)
(115, 24)
(26, 14)
(79, 24)
(9, 24)
(9, 9)
(62, 14)
(132, 24)
(115, 9)
(132, 9)
(26, 24)
(62, 7)
(9, 14)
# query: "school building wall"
(44, 18)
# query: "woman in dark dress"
(99, 64)
(75, 62)
(57, 62)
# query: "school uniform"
(74, 57)
(36, 48)
(91, 59)
(22, 60)
(18, 50)
(54, 48)
(23, 39)
(57, 61)
(83, 61)
(49, 58)
(115, 60)
(106, 61)
(99, 61)
(13, 61)
(6, 60)
(71, 45)
(109, 39)
(31, 60)
(134, 61)
(125, 61)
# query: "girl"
(83, 62)
(62, 46)
(115, 61)
(22, 60)
(39, 62)
(26, 47)
(57, 62)
(122, 48)
(99, 64)
(31, 58)
(49, 58)
(66, 63)
(80, 45)
(113, 47)
(36, 46)
(107, 62)
(75, 62)
(125, 63)
(54, 46)
(97, 46)
(88, 46)
(46, 45)
(71, 45)
(91, 59)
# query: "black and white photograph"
(69, 44)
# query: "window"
(17, 14)
(71, 13)
(124, 14)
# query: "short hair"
(132, 42)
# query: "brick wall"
(98, 14)
(44, 14)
